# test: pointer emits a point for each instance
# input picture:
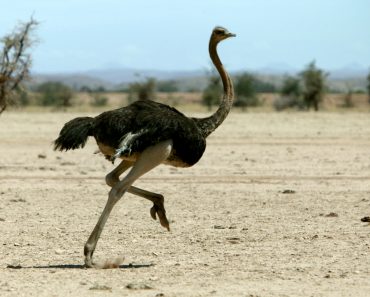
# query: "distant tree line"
(303, 91)
(59, 95)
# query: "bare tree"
(15, 61)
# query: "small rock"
(331, 215)
(233, 240)
(18, 200)
(365, 219)
(41, 156)
(100, 288)
(67, 163)
(16, 244)
(2, 220)
(59, 252)
(138, 286)
(218, 227)
(287, 191)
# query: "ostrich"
(144, 135)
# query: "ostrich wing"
(150, 122)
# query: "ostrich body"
(144, 135)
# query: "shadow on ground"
(75, 266)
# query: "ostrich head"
(220, 33)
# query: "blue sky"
(79, 35)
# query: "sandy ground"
(273, 208)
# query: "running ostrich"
(144, 135)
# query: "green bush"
(55, 94)
(24, 99)
(290, 94)
(212, 93)
(167, 86)
(245, 91)
(244, 102)
(142, 91)
(98, 100)
(368, 85)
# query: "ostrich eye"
(219, 32)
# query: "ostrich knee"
(111, 179)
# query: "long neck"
(209, 124)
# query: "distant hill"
(75, 81)
(352, 76)
(113, 79)
(349, 71)
(126, 75)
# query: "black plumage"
(153, 121)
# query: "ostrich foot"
(158, 209)
(89, 263)
(106, 264)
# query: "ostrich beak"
(231, 34)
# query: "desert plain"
(273, 208)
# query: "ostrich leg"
(158, 205)
(149, 158)
(158, 200)
(112, 178)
